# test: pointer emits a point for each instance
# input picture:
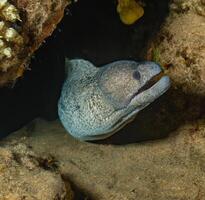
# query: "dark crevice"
(96, 33)
(91, 30)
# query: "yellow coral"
(130, 11)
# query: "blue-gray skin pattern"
(96, 102)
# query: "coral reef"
(9, 36)
(24, 26)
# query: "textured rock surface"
(181, 45)
(172, 168)
(24, 175)
(38, 20)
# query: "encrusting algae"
(130, 11)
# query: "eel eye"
(136, 75)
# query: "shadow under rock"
(37, 93)
(160, 118)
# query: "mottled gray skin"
(96, 102)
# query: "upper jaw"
(146, 96)
(150, 83)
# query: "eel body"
(96, 102)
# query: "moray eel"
(96, 102)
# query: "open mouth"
(150, 83)
(131, 115)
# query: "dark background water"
(91, 30)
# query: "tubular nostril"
(136, 75)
